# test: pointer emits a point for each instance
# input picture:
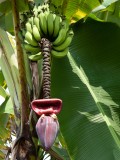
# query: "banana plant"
(59, 80)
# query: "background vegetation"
(87, 80)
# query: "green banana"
(65, 23)
(45, 7)
(31, 49)
(28, 27)
(31, 21)
(30, 39)
(36, 33)
(60, 54)
(36, 22)
(56, 26)
(39, 8)
(46, 13)
(50, 20)
(23, 32)
(66, 43)
(35, 10)
(43, 22)
(61, 37)
(35, 57)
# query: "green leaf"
(62, 153)
(109, 14)
(75, 10)
(2, 156)
(9, 66)
(2, 144)
(4, 132)
(1, 78)
(90, 115)
(5, 6)
(9, 23)
(3, 92)
(104, 5)
(7, 106)
(100, 97)
(22, 5)
(80, 9)
(4, 120)
(6, 22)
(57, 3)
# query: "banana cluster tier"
(45, 24)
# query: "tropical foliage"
(87, 80)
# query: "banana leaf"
(75, 10)
(88, 83)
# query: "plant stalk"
(24, 100)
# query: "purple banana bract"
(47, 106)
(47, 129)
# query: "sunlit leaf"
(104, 5)
(8, 62)
(75, 10)
(3, 92)
(109, 14)
(7, 106)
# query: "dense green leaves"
(75, 10)
(87, 80)
(91, 96)
(109, 14)
(8, 62)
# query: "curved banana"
(66, 43)
(60, 54)
(30, 39)
(23, 32)
(65, 23)
(61, 37)
(36, 22)
(36, 33)
(31, 21)
(46, 14)
(45, 7)
(50, 20)
(28, 27)
(43, 22)
(35, 10)
(31, 49)
(56, 26)
(35, 57)
(39, 9)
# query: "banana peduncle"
(45, 45)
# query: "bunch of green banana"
(45, 24)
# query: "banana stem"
(24, 101)
(46, 50)
(35, 79)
